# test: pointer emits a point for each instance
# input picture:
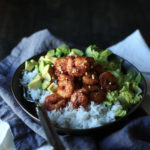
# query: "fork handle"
(52, 136)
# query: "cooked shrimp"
(98, 96)
(77, 66)
(78, 83)
(92, 88)
(65, 88)
(63, 77)
(98, 68)
(79, 98)
(90, 78)
(60, 66)
(54, 101)
(90, 61)
(108, 81)
(83, 90)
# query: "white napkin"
(6, 137)
(135, 50)
(45, 147)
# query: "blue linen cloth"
(29, 135)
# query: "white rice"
(35, 94)
(93, 115)
(28, 76)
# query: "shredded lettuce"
(129, 94)
(112, 96)
(92, 51)
(100, 56)
(119, 76)
(103, 56)
(130, 75)
(114, 65)
(135, 87)
(126, 94)
(120, 113)
(138, 78)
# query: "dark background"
(82, 22)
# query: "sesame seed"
(74, 71)
(93, 77)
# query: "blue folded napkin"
(29, 135)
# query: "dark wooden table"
(81, 22)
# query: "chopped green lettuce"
(103, 55)
(112, 96)
(129, 95)
(119, 76)
(130, 74)
(135, 87)
(92, 51)
(100, 56)
(120, 113)
(127, 84)
(126, 94)
(62, 50)
(114, 65)
(138, 78)
(136, 99)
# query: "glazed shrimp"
(78, 83)
(90, 78)
(92, 88)
(60, 66)
(54, 101)
(108, 81)
(98, 68)
(95, 92)
(63, 77)
(79, 98)
(77, 66)
(65, 86)
(90, 61)
(98, 96)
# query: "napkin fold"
(6, 137)
(133, 48)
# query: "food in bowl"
(81, 90)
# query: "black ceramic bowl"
(29, 107)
